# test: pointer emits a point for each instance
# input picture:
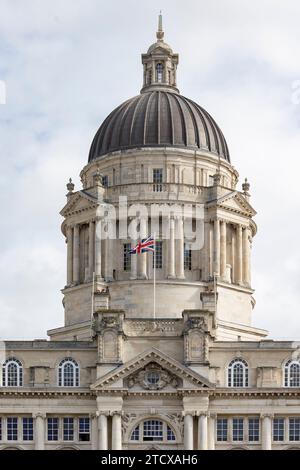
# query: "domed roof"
(159, 118)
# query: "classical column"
(76, 247)
(202, 432)
(188, 432)
(91, 249)
(98, 267)
(239, 255)
(142, 258)
(134, 258)
(116, 440)
(102, 429)
(39, 431)
(223, 257)
(266, 432)
(69, 255)
(211, 431)
(94, 431)
(109, 253)
(217, 247)
(246, 257)
(180, 248)
(171, 257)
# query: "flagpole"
(154, 278)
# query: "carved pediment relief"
(79, 202)
(153, 377)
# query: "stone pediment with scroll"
(152, 371)
(79, 202)
(235, 202)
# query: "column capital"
(102, 413)
(203, 414)
(189, 413)
(116, 413)
(212, 415)
(267, 415)
(39, 415)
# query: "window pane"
(12, 429)
(127, 257)
(84, 429)
(222, 429)
(27, 429)
(187, 258)
(135, 435)
(153, 431)
(68, 429)
(278, 429)
(157, 179)
(170, 434)
(52, 429)
(238, 429)
(294, 429)
(253, 429)
(158, 255)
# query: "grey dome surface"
(159, 119)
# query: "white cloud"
(68, 64)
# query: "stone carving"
(153, 377)
(196, 323)
(153, 328)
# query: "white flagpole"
(154, 279)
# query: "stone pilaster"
(171, 254)
(223, 256)
(266, 431)
(69, 255)
(239, 255)
(211, 431)
(116, 438)
(39, 430)
(98, 244)
(217, 247)
(91, 248)
(102, 430)
(180, 248)
(202, 431)
(142, 258)
(188, 432)
(76, 259)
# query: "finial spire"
(160, 32)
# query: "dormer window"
(159, 73)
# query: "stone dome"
(159, 118)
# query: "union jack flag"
(143, 246)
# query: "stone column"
(188, 432)
(223, 247)
(39, 431)
(202, 432)
(91, 248)
(109, 253)
(134, 259)
(217, 247)
(142, 258)
(239, 255)
(246, 257)
(102, 430)
(94, 431)
(171, 257)
(76, 259)
(180, 248)
(69, 256)
(211, 431)
(266, 432)
(116, 431)
(98, 264)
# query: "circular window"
(153, 378)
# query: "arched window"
(68, 373)
(159, 73)
(292, 374)
(153, 430)
(238, 373)
(12, 373)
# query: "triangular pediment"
(174, 374)
(234, 202)
(79, 202)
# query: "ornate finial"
(160, 33)
(246, 186)
(70, 186)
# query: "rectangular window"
(238, 429)
(294, 429)
(187, 258)
(157, 179)
(84, 429)
(27, 429)
(105, 181)
(158, 255)
(127, 257)
(68, 429)
(278, 429)
(222, 430)
(52, 429)
(253, 429)
(12, 429)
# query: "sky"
(67, 64)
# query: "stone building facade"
(165, 363)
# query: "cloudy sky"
(67, 63)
